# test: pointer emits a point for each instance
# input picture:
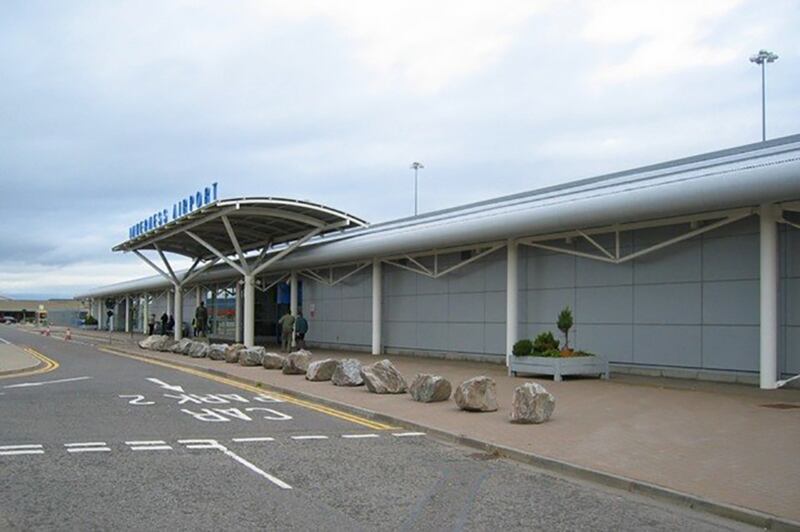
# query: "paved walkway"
(729, 443)
(14, 360)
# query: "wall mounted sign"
(180, 208)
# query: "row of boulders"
(531, 402)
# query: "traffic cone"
(68, 335)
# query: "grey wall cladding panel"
(544, 305)
(356, 309)
(400, 334)
(469, 278)
(467, 307)
(731, 258)
(792, 294)
(496, 267)
(426, 285)
(465, 338)
(731, 303)
(494, 337)
(668, 345)
(746, 226)
(400, 308)
(792, 350)
(592, 272)
(792, 252)
(433, 336)
(614, 342)
(547, 271)
(432, 307)
(496, 307)
(731, 348)
(677, 263)
(664, 304)
(604, 305)
(397, 281)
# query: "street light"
(416, 167)
(762, 58)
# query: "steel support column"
(769, 215)
(249, 310)
(127, 313)
(512, 298)
(178, 313)
(238, 313)
(293, 298)
(145, 313)
(377, 296)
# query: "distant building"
(65, 312)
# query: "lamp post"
(762, 58)
(416, 166)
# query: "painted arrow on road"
(166, 386)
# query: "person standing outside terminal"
(151, 324)
(164, 321)
(201, 319)
(300, 329)
(287, 330)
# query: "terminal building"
(685, 268)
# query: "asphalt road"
(106, 442)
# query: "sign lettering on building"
(180, 208)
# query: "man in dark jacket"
(164, 321)
(301, 328)
(201, 319)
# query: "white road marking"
(3, 340)
(174, 388)
(204, 446)
(25, 446)
(152, 448)
(41, 383)
(408, 434)
(310, 437)
(247, 440)
(21, 451)
(278, 482)
(359, 436)
(197, 440)
(87, 444)
(88, 449)
(151, 442)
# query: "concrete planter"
(557, 366)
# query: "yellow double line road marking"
(49, 365)
(278, 395)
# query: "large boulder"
(531, 403)
(383, 377)
(273, 361)
(347, 373)
(296, 363)
(478, 394)
(182, 346)
(321, 370)
(152, 341)
(252, 356)
(198, 350)
(427, 388)
(217, 351)
(232, 353)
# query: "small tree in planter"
(523, 348)
(564, 324)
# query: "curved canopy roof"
(239, 225)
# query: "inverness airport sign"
(180, 208)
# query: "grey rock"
(217, 351)
(296, 363)
(198, 350)
(321, 370)
(252, 356)
(478, 394)
(347, 373)
(151, 342)
(427, 388)
(232, 353)
(383, 377)
(182, 346)
(273, 361)
(531, 403)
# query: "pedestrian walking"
(171, 324)
(287, 330)
(300, 329)
(201, 319)
(151, 324)
(164, 321)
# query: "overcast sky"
(111, 110)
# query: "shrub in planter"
(90, 320)
(564, 324)
(545, 342)
(555, 353)
(522, 348)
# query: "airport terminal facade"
(690, 267)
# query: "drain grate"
(782, 406)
